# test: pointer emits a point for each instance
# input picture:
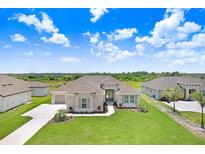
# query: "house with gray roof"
(188, 85)
(92, 93)
(14, 92)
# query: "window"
(126, 99)
(132, 99)
(84, 103)
(203, 92)
(129, 99)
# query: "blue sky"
(102, 40)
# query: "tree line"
(141, 76)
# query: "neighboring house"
(188, 85)
(91, 93)
(39, 88)
(14, 92)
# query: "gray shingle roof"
(124, 89)
(164, 83)
(10, 85)
(91, 84)
(38, 85)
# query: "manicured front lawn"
(134, 84)
(123, 127)
(11, 120)
(193, 116)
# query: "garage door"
(59, 99)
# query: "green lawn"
(193, 116)
(134, 84)
(123, 127)
(11, 120)
(54, 84)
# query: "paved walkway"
(41, 115)
(109, 113)
(192, 106)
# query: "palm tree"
(201, 100)
(173, 95)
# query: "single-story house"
(91, 93)
(14, 92)
(188, 85)
(39, 88)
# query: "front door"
(109, 95)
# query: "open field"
(11, 120)
(134, 84)
(124, 127)
(54, 84)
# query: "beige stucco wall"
(15, 100)
(120, 101)
(152, 92)
(1, 104)
(99, 101)
(40, 91)
(94, 101)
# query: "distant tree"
(173, 95)
(201, 100)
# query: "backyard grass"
(54, 84)
(134, 84)
(11, 120)
(123, 127)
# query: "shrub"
(142, 108)
(99, 108)
(60, 115)
(70, 110)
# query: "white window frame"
(133, 100)
(127, 99)
(84, 101)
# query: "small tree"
(173, 95)
(201, 100)
(60, 115)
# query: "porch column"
(187, 92)
(53, 98)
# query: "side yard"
(11, 120)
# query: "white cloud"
(177, 62)
(94, 38)
(57, 38)
(164, 30)
(30, 53)
(174, 39)
(97, 13)
(46, 24)
(18, 38)
(125, 33)
(111, 52)
(7, 46)
(70, 59)
(47, 53)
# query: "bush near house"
(60, 115)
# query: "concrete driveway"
(192, 106)
(41, 115)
